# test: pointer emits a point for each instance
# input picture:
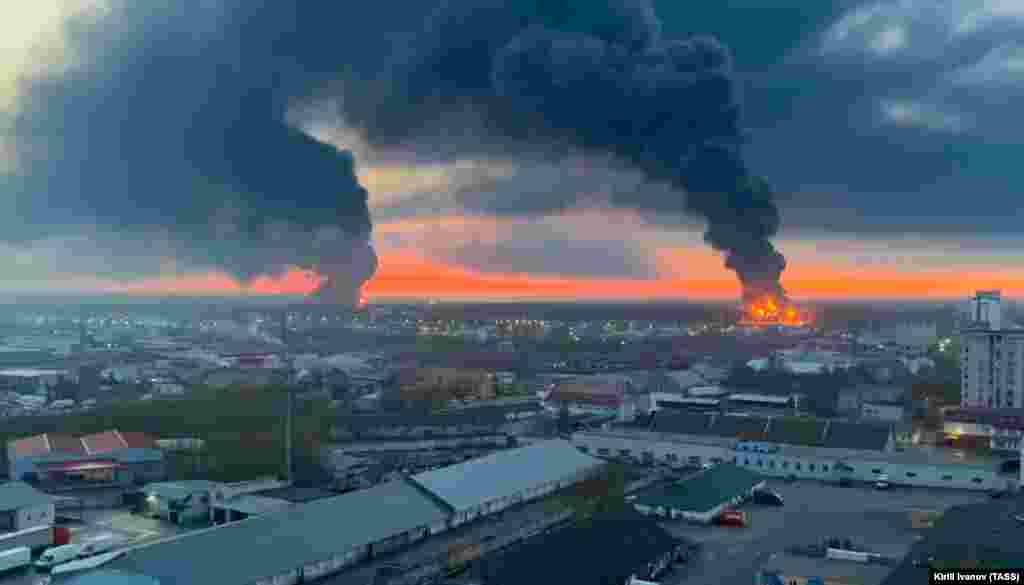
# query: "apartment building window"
(810, 466)
(785, 464)
(746, 461)
(625, 452)
(876, 471)
(771, 463)
(604, 451)
(947, 478)
(824, 468)
(584, 448)
(797, 466)
(911, 474)
(976, 480)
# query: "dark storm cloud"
(172, 119)
(892, 138)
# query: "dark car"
(768, 498)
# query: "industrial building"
(701, 498)
(107, 457)
(297, 544)
(23, 507)
(202, 502)
(785, 569)
(985, 534)
(791, 448)
(999, 429)
(480, 487)
(610, 548)
(301, 543)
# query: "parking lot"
(133, 529)
(876, 520)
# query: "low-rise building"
(999, 429)
(610, 548)
(703, 497)
(442, 384)
(883, 411)
(480, 487)
(107, 457)
(23, 507)
(786, 569)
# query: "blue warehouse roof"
(505, 473)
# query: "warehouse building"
(298, 544)
(609, 549)
(785, 569)
(23, 507)
(985, 534)
(480, 487)
(797, 448)
(703, 497)
(107, 457)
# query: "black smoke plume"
(173, 118)
(555, 76)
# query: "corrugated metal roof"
(862, 436)
(254, 505)
(704, 491)
(265, 546)
(15, 495)
(112, 578)
(607, 549)
(505, 473)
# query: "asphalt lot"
(119, 523)
(879, 521)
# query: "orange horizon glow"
(405, 274)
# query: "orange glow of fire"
(771, 311)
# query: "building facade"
(992, 368)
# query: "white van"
(57, 555)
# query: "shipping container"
(61, 535)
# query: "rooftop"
(608, 549)
(705, 491)
(505, 473)
(801, 566)
(253, 505)
(861, 435)
(987, 533)
(796, 431)
(244, 552)
(15, 495)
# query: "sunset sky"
(885, 127)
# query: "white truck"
(15, 558)
(34, 538)
(57, 555)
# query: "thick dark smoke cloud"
(172, 120)
(557, 76)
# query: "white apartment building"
(991, 358)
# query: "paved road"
(813, 512)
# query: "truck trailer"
(36, 538)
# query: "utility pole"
(288, 432)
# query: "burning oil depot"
(772, 310)
(304, 543)
(791, 447)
